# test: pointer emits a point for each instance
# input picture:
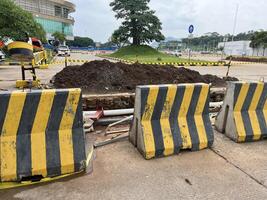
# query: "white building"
(237, 48)
(241, 48)
(53, 15)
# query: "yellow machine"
(23, 52)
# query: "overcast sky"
(95, 19)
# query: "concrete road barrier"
(244, 113)
(41, 134)
(169, 118)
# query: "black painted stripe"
(144, 95)
(237, 90)
(259, 112)
(155, 121)
(207, 122)
(4, 101)
(23, 140)
(244, 111)
(176, 133)
(21, 52)
(52, 137)
(78, 138)
(191, 118)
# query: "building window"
(58, 11)
(66, 13)
(51, 26)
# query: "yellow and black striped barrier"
(68, 60)
(186, 64)
(9, 185)
(41, 134)
(40, 60)
(233, 63)
(244, 113)
(169, 118)
(56, 62)
(78, 60)
(21, 51)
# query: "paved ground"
(227, 171)
(9, 74)
(246, 72)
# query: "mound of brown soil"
(108, 77)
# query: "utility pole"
(235, 21)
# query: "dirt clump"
(108, 77)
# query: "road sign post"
(190, 30)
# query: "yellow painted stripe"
(165, 123)
(9, 136)
(202, 135)
(9, 185)
(252, 112)
(237, 112)
(38, 143)
(265, 111)
(23, 45)
(146, 122)
(65, 132)
(90, 156)
(187, 143)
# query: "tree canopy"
(81, 42)
(61, 37)
(210, 41)
(139, 22)
(259, 39)
(15, 22)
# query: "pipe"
(110, 120)
(121, 121)
(119, 112)
(216, 104)
(108, 113)
(118, 122)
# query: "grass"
(146, 54)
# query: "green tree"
(258, 40)
(119, 39)
(139, 22)
(81, 42)
(61, 37)
(15, 22)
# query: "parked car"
(177, 53)
(63, 51)
(2, 56)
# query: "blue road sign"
(191, 29)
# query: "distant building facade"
(170, 45)
(236, 48)
(241, 48)
(53, 15)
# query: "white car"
(63, 51)
(176, 53)
(2, 56)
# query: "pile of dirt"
(108, 77)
